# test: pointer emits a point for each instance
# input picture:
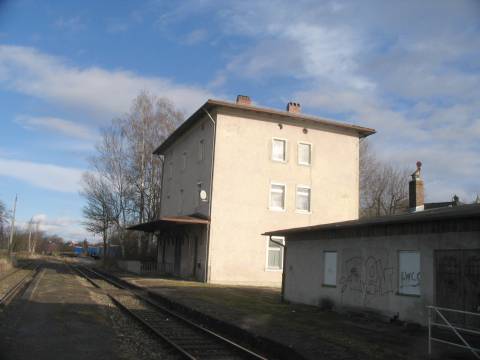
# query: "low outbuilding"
(395, 265)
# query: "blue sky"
(409, 69)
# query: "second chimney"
(293, 107)
(416, 193)
(244, 100)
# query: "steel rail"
(11, 292)
(10, 273)
(240, 350)
(14, 271)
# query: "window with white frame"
(184, 160)
(277, 196)
(279, 150)
(330, 268)
(201, 150)
(304, 153)
(275, 253)
(409, 274)
(303, 198)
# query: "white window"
(277, 197)
(304, 153)
(330, 268)
(275, 253)
(303, 198)
(409, 275)
(184, 161)
(201, 150)
(279, 150)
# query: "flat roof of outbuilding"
(437, 214)
(287, 116)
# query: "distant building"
(233, 170)
(395, 265)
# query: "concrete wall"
(243, 171)
(375, 260)
(132, 266)
(177, 178)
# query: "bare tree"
(99, 209)
(129, 172)
(383, 186)
(148, 124)
(3, 220)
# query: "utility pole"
(30, 236)
(12, 230)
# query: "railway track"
(191, 340)
(12, 283)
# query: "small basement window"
(409, 275)
(275, 253)
(330, 268)
(279, 148)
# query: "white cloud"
(61, 126)
(45, 176)
(196, 36)
(115, 26)
(417, 81)
(73, 23)
(68, 228)
(106, 93)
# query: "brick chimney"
(293, 107)
(244, 100)
(416, 193)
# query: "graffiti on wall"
(409, 272)
(369, 277)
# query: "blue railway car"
(94, 251)
(97, 251)
(78, 250)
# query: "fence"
(146, 267)
(457, 330)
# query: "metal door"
(458, 283)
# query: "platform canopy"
(166, 222)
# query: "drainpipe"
(207, 245)
(284, 262)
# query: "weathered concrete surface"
(368, 271)
(57, 319)
(311, 332)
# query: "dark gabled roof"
(288, 116)
(446, 213)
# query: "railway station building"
(234, 170)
